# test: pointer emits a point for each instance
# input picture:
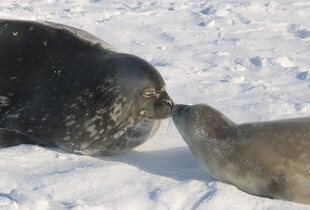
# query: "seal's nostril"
(170, 103)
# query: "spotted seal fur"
(62, 86)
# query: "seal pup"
(61, 86)
(269, 159)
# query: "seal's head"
(144, 85)
(183, 118)
(198, 120)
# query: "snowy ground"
(249, 59)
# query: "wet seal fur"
(61, 86)
(269, 159)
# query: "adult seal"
(269, 159)
(61, 86)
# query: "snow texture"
(248, 59)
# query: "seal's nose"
(170, 103)
(166, 99)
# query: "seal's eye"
(149, 92)
(186, 109)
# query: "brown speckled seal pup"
(270, 159)
(64, 87)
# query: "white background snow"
(248, 59)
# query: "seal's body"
(62, 86)
(270, 159)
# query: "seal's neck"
(214, 122)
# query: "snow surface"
(248, 59)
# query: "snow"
(248, 59)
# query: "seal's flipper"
(10, 138)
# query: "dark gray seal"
(270, 159)
(61, 86)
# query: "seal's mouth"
(144, 113)
(156, 114)
(160, 110)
